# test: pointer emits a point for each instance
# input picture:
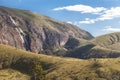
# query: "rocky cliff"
(33, 32)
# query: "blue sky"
(96, 16)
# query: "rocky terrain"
(37, 33)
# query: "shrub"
(37, 71)
(96, 64)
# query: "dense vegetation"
(43, 67)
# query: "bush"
(96, 64)
(37, 71)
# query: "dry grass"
(10, 74)
(68, 68)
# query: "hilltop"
(105, 46)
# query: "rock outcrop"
(33, 32)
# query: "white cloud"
(107, 15)
(82, 8)
(110, 14)
(69, 22)
(106, 30)
(111, 29)
(104, 13)
(87, 21)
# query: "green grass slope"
(42, 67)
(105, 46)
(109, 41)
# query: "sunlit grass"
(59, 68)
(10, 74)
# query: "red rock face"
(35, 34)
(8, 34)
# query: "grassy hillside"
(110, 41)
(105, 46)
(10, 74)
(55, 68)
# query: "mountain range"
(24, 33)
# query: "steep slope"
(100, 47)
(30, 31)
(56, 68)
